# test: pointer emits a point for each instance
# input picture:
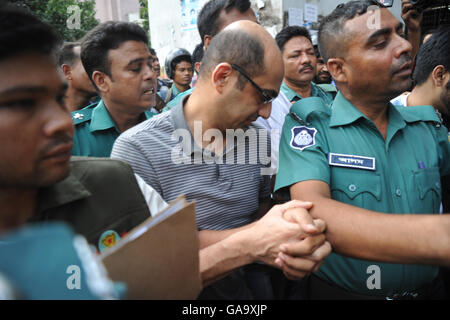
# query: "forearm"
(369, 235)
(210, 237)
(221, 258)
(414, 37)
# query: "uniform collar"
(344, 113)
(63, 192)
(101, 119)
(175, 90)
(292, 95)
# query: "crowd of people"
(319, 170)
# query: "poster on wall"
(189, 13)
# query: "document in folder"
(159, 259)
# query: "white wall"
(165, 28)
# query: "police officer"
(180, 69)
(365, 155)
(118, 62)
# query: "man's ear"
(197, 66)
(101, 80)
(438, 76)
(206, 41)
(67, 70)
(221, 76)
(336, 67)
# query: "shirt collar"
(101, 119)
(344, 113)
(294, 96)
(179, 123)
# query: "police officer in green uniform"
(96, 131)
(299, 65)
(364, 156)
(118, 62)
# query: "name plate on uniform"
(351, 161)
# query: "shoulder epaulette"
(82, 115)
(304, 108)
(419, 113)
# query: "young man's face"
(133, 80)
(378, 60)
(183, 73)
(36, 129)
(299, 60)
(156, 66)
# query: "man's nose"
(57, 120)
(265, 111)
(149, 73)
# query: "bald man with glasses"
(209, 149)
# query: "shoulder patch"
(303, 137)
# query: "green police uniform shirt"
(316, 91)
(342, 147)
(95, 131)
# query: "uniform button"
(352, 188)
(398, 192)
(438, 185)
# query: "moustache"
(60, 139)
(405, 58)
(305, 67)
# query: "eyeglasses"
(267, 95)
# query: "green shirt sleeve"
(301, 158)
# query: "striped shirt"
(227, 189)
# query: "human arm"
(364, 234)
(412, 19)
(260, 241)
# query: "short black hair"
(152, 51)
(331, 35)
(21, 31)
(67, 55)
(288, 33)
(104, 37)
(197, 54)
(235, 47)
(434, 52)
(208, 19)
(179, 59)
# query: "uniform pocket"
(428, 184)
(353, 183)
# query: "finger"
(295, 204)
(320, 225)
(320, 253)
(303, 247)
(296, 267)
(302, 217)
